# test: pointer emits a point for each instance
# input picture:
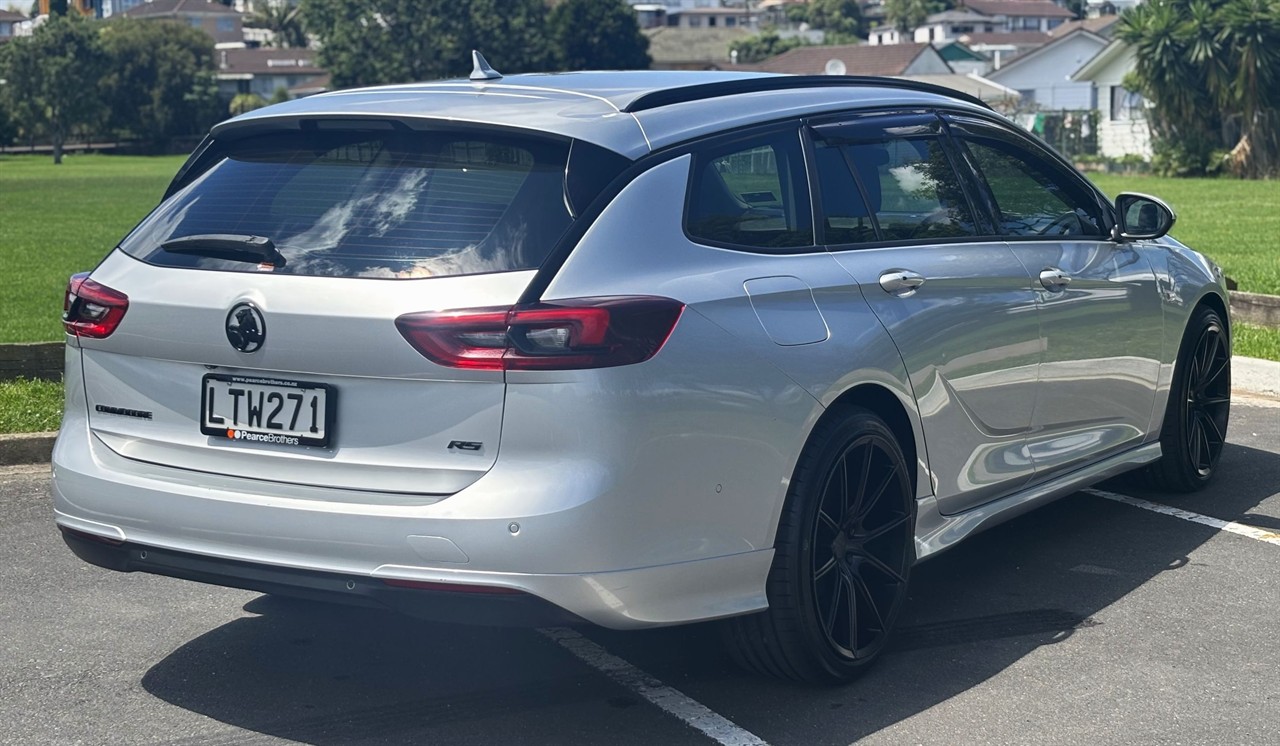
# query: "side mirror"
(1142, 217)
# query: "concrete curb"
(1251, 377)
(26, 448)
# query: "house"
(673, 48)
(1043, 75)
(217, 20)
(1021, 15)
(964, 60)
(856, 59)
(951, 24)
(998, 96)
(9, 21)
(263, 71)
(698, 18)
(1102, 26)
(1123, 128)
(1003, 46)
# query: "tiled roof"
(318, 84)
(1099, 25)
(858, 59)
(960, 15)
(1033, 8)
(173, 7)
(9, 16)
(1016, 38)
(268, 62)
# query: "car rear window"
(388, 204)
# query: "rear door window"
(889, 178)
(389, 204)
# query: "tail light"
(564, 335)
(91, 309)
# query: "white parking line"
(1270, 537)
(693, 713)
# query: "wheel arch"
(1217, 303)
(888, 406)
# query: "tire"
(842, 558)
(1199, 408)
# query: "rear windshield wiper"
(230, 246)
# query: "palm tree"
(1210, 68)
(281, 17)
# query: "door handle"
(1053, 278)
(901, 282)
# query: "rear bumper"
(224, 531)
(469, 606)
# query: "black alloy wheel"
(1208, 399)
(842, 559)
(859, 566)
(1199, 408)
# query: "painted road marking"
(1252, 532)
(673, 702)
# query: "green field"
(59, 220)
(1235, 222)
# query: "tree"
(52, 79)
(160, 80)
(283, 20)
(1211, 70)
(840, 20)
(763, 46)
(369, 42)
(906, 15)
(597, 35)
(245, 102)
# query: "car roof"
(629, 112)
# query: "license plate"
(267, 410)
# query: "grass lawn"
(1235, 222)
(30, 406)
(59, 220)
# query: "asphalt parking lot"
(1088, 621)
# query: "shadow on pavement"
(328, 675)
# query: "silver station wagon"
(628, 348)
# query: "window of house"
(1125, 104)
(752, 194)
(195, 21)
(1033, 197)
(226, 25)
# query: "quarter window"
(1032, 198)
(753, 195)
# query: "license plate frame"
(261, 435)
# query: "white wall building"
(1123, 128)
(1043, 76)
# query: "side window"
(912, 189)
(1033, 198)
(752, 194)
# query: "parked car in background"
(629, 348)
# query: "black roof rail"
(682, 94)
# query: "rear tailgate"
(394, 413)
(260, 335)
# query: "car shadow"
(331, 675)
